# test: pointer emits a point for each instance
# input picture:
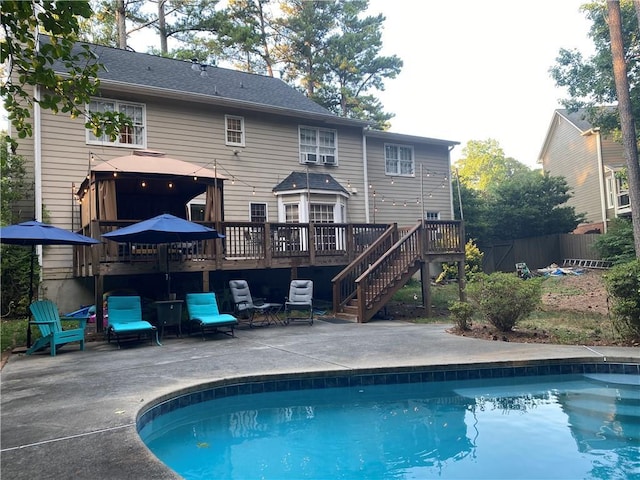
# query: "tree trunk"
(162, 28)
(626, 116)
(121, 17)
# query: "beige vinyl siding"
(408, 190)
(575, 157)
(193, 133)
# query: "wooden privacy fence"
(538, 252)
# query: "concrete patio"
(73, 415)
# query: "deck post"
(205, 281)
(426, 287)
(98, 291)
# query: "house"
(245, 152)
(590, 162)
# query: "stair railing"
(386, 271)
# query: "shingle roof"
(578, 118)
(160, 74)
(317, 181)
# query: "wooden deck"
(246, 246)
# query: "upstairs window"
(234, 128)
(258, 212)
(133, 136)
(318, 145)
(398, 160)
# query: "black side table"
(169, 315)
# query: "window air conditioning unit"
(328, 159)
(308, 158)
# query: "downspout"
(603, 193)
(37, 163)
(451, 147)
(366, 176)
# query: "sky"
(479, 69)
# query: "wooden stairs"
(366, 285)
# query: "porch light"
(348, 183)
(170, 184)
(254, 191)
(115, 174)
(143, 184)
(233, 180)
(405, 203)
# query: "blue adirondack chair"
(202, 309)
(125, 319)
(47, 318)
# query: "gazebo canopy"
(144, 184)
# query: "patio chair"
(298, 306)
(125, 319)
(47, 318)
(245, 306)
(202, 309)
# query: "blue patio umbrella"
(34, 233)
(165, 228)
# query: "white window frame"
(432, 215)
(611, 191)
(266, 210)
(227, 130)
(116, 106)
(398, 171)
(314, 150)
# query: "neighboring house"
(270, 153)
(590, 162)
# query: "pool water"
(564, 427)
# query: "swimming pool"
(535, 421)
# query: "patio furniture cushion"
(202, 308)
(125, 318)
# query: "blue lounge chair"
(47, 318)
(202, 309)
(125, 319)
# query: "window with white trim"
(611, 192)
(321, 213)
(130, 136)
(398, 159)
(234, 130)
(258, 212)
(432, 216)
(291, 213)
(318, 145)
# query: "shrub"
(504, 299)
(461, 313)
(472, 264)
(617, 244)
(623, 286)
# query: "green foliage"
(37, 61)
(535, 207)
(14, 260)
(623, 286)
(472, 264)
(13, 187)
(483, 165)
(15, 264)
(617, 244)
(504, 299)
(461, 313)
(589, 81)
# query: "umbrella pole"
(33, 253)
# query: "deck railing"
(267, 243)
